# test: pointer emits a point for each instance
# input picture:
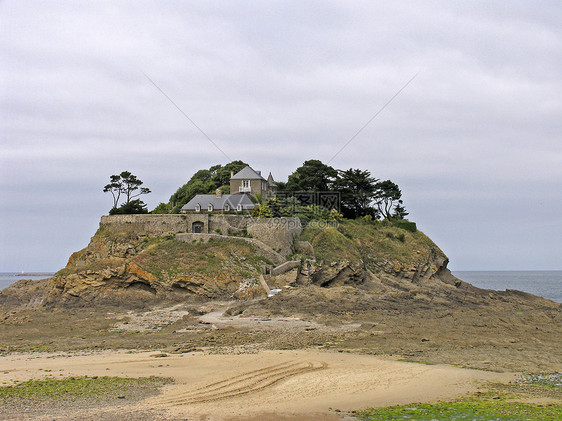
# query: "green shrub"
(405, 225)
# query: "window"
(239, 208)
(227, 207)
(197, 207)
(210, 208)
(246, 183)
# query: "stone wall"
(285, 267)
(153, 224)
(277, 233)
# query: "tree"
(221, 176)
(114, 187)
(399, 211)
(128, 185)
(199, 183)
(131, 186)
(387, 195)
(357, 191)
(162, 208)
(312, 175)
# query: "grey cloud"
(473, 141)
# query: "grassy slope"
(371, 243)
(172, 259)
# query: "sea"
(544, 283)
(8, 278)
(547, 284)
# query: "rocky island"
(278, 295)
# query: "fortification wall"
(152, 224)
(277, 233)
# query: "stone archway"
(197, 227)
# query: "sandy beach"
(303, 384)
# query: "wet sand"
(297, 385)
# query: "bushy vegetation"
(360, 193)
(132, 207)
(404, 224)
(290, 207)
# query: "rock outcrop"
(126, 266)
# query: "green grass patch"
(488, 407)
(75, 387)
(331, 245)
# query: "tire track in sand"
(242, 384)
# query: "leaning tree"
(126, 185)
(387, 196)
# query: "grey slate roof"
(233, 200)
(247, 173)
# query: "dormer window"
(227, 207)
(197, 207)
(210, 208)
(239, 208)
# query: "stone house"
(219, 202)
(251, 182)
(243, 185)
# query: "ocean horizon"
(545, 283)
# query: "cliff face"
(357, 252)
(128, 263)
(125, 269)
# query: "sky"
(474, 140)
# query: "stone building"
(244, 185)
(219, 202)
(251, 182)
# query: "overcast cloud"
(474, 141)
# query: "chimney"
(218, 193)
(231, 174)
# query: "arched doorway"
(197, 227)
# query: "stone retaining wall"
(285, 267)
(277, 233)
